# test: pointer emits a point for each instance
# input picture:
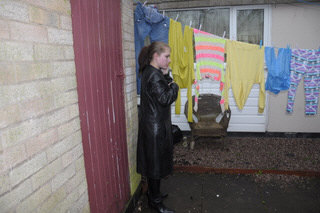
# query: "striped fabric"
(209, 58)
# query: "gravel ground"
(277, 153)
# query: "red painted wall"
(98, 57)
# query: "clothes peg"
(190, 23)
(145, 2)
(163, 13)
(200, 26)
(177, 17)
(224, 34)
(260, 43)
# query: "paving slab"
(230, 193)
(234, 193)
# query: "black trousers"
(154, 190)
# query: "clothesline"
(278, 80)
(246, 62)
(223, 36)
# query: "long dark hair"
(147, 52)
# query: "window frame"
(233, 19)
(266, 21)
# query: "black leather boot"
(155, 198)
(160, 207)
(164, 196)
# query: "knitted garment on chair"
(209, 58)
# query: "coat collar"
(152, 67)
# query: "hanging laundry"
(182, 62)
(209, 58)
(148, 22)
(278, 69)
(305, 63)
(245, 64)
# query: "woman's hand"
(171, 82)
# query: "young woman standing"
(155, 146)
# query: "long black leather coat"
(155, 147)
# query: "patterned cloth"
(305, 63)
(209, 58)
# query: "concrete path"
(220, 193)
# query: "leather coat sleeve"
(168, 78)
(164, 93)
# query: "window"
(215, 21)
(250, 26)
(246, 23)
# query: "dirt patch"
(275, 153)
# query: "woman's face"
(163, 60)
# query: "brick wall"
(41, 155)
(130, 89)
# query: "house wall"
(130, 89)
(296, 25)
(41, 154)
(182, 4)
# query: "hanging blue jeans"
(148, 22)
(278, 69)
